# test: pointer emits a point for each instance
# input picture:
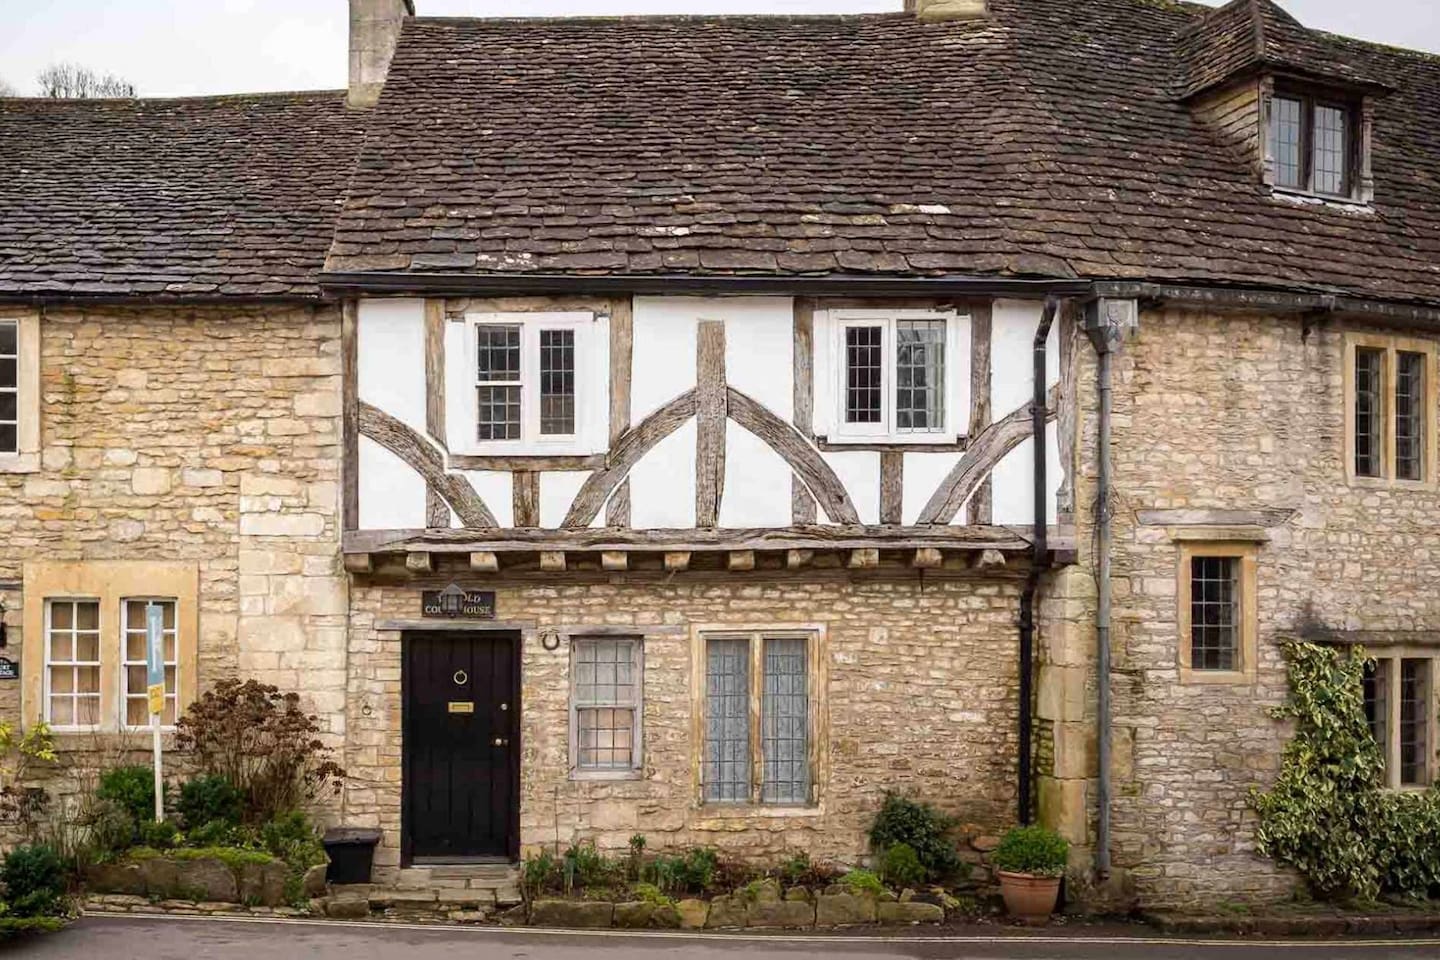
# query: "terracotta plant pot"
(1028, 897)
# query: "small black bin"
(352, 853)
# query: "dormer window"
(1312, 143)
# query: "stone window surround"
(1391, 748)
(27, 458)
(111, 582)
(838, 320)
(636, 770)
(1393, 345)
(1247, 552)
(818, 680)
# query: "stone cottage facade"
(655, 450)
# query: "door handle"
(501, 742)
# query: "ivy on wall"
(1328, 814)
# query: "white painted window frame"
(125, 663)
(637, 759)
(592, 365)
(98, 664)
(831, 376)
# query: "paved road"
(139, 938)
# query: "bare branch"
(70, 81)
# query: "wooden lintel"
(742, 560)
(927, 557)
(552, 560)
(614, 560)
(677, 560)
(863, 558)
(359, 563)
(419, 562)
(988, 560)
(795, 559)
(484, 561)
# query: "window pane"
(87, 711)
(499, 352)
(863, 382)
(607, 738)
(604, 671)
(87, 615)
(1414, 721)
(87, 647)
(9, 403)
(9, 438)
(1214, 617)
(62, 614)
(1410, 403)
(8, 372)
(1285, 133)
(785, 723)
(1369, 411)
(62, 679)
(1330, 149)
(919, 375)
(499, 413)
(62, 711)
(9, 338)
(557, 382)
(1285, 141)
(137, 711)
(727, 720)
(1377, 702)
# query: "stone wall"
(207, 436)
(1233, 411)
(920, 697)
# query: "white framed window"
(759, 709)
(9, 387)
(606, 707)
(536, 383)
(135, 705)
(893, 376)
(1400, 708)
(72, 664)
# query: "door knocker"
(461, 678)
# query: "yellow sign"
(461, 706)
(156, 692)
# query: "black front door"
(461, 746)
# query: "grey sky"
(185, 47)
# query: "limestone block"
(121, 878)
(1075, 750)
(282, 525)
(693, 914)
(1063, 808)
(573, 914)
(202, 478)
(204, 879)
(634, 915)
(728, 911)
(263, 883)
(911, 911)
(785, 914)
(844, 909)
(255, 484)
(150, 481)
(322, 404)
(1061, 694)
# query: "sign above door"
(457, 603)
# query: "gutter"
(1395, 313)
(1039, 560)
(513, 284)
(1102, 338)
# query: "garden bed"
(211, 874)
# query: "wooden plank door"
(461, 733)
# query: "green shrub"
(35, 882)
(863, 881)
(920, 827)
(215, 833)
(210, 797)
(111, 829)
(586, 868)
(132, 789)
(635, 866)
(1034, 850)
(650, 893)
(796, 869)
(901, 867)
(15, 926)
(161, 836)
(539, 874)
(693, 871)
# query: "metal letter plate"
(461, 706)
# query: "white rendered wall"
(390, 340)
(662, 483)
(392, 496)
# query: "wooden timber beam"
(484, 561)
(677, 560)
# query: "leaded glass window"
(1287, 141)
(919, 375)
(1331, 150)
(864, 372)
(1369, 412)
(1410, 401)
(785, 722)
(1415, 714)
(1214, 613)
(606, 703)
(1311, 144)
(557, 382)
(727, 720)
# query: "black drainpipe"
(1040, 559)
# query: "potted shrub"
(1030, 862)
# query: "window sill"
(1297, 195)
(1231, 678)
(1387, 483)
(923, 443)
(607, 776)
(19, 463)
(745, 811)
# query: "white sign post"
(155, 690)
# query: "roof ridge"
(1257, 24)
(671, 17)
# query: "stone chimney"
(931, 11)
(374, 28)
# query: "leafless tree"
(70, 81)
(8, 91)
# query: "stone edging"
(1298, 926)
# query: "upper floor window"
(895, 376)
(1312, 143)
(19, 391)
(9, 386)
(1390, 408)
(538, 383)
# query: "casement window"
(1390, 409)
(19, 393)
(759, 716)
(1401, 708)
(895, 376)
(1312, 143)
(72, 664)
(133, 669)
(606, 706)
(89, 673)
(537, 383)
(1216, 613)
